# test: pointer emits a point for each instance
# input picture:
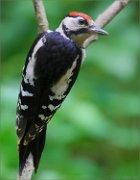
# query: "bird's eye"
(82, 22)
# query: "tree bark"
(40, 12)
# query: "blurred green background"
(95, 133)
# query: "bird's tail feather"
(30, 154)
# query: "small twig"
(42, 21)
(104, 18)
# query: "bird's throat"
(80, 39)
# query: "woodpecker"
(51, 68)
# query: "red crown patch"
(75, 14)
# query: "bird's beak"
(97, 30)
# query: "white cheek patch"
(71, 23)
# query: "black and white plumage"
(50, 70)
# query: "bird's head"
(79, 27)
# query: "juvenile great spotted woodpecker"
(51, 68)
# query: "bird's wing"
(55, 70)
(30, 90)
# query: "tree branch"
(104, 18)
(28, 169)
(42, 21)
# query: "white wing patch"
(24, 107)
(44, 118)
(29, 77)
(25, 93)
(20, 106)
(41, 116)
(62, 85)
(52, 108)
(44, 107)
